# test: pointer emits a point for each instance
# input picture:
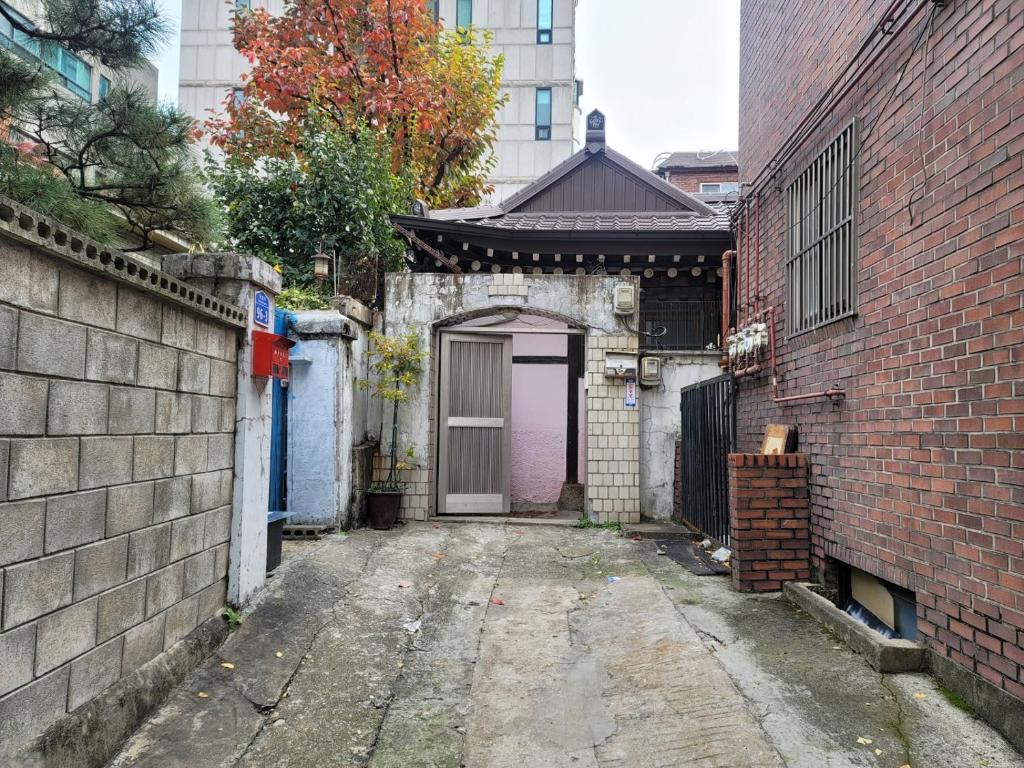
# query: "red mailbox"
(270, 355)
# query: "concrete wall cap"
(28, 227)
(321, 322)
(224, 266)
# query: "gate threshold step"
(660, 529)
(305, 532)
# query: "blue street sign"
(261, 309)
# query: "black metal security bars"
(689, 325)
(708, 436)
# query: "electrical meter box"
(270, 355)
(620, 365)
(650, 371)
(624, 301)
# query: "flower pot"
(382, 509)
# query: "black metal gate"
(708, 436)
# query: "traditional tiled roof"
(610, 222)
(684, 160)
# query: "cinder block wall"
(769, 520)
(117, 418)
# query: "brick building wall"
(690, 181)
(918, 475)
(117, 420)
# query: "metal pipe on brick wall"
(833, 392)
(727, 258)
(757, 255)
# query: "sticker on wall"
(631, 393)
(261, 309)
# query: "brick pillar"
(770, 520)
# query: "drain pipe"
(727, 258)
(833, 393)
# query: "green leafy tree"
(335, 196)
(124, 163)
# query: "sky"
(664, 72)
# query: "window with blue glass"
(464, 14)
(72, 71)
(243, 5)
(434, 6)
(544, 21)
(104, 87)
(543, 119)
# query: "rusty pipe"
(727, 258)
(831, 393)
(757, 255)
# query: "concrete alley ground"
(492, 645)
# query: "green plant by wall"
(396, 364)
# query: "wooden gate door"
(474, 471)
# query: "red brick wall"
(690, 181)
(769, 520)
(918, 476)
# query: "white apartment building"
(81, 77)
(537, 128)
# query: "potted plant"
(395, 367)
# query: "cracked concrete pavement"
(489, 645)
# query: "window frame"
(103, 89)
(459, 5)
(537, 126)
(806, 308)
(50, 54)
(546, 35)
(718, 188)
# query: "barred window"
(821, 205)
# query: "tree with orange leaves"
(430, 94)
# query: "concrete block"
(142, 643)
(27, 279)
(87, 298)
(94, 672)
(22, 404)
(153, 458)
(222, 553)
(75, 519)
(221, 451)
(205, 413)
(77, 408)
(105, 461)
(227, 416)
(37, 587)
(179, 328)
(223, 378)
(5, 456)
(100, 566)
(158, 366)
(21, 530)
(111, 357)
(207, 492)
(218, 527)
(181, 619)
(43, 467)
(63, 635)
(163, 589)
(17, 657)
(193, 373)
(138, 314)
(53, 347)
(32, 709)
(187, 536)
(172, 499)
(8, 336)
(173, 413)
(149, 550)
(132, 410)
(120, 609)
(190, 454)
(199, 571)
(232, 338)
(209, 338)
(212, 600)
(129, 507)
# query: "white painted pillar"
(237, 278)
